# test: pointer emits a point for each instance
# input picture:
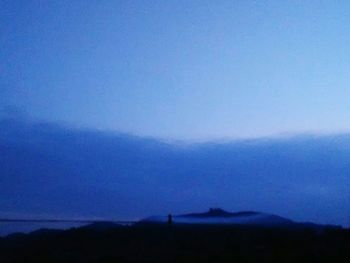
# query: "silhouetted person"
(170, 220)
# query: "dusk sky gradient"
(101, 101)
(197, 70)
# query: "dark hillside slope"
(178, 244)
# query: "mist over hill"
(49, 170)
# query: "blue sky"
(197, 70)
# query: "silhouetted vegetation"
(178, 243)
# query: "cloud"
(85, 173)
(13, 112)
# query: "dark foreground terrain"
(161, 243)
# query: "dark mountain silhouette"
(219, 216)
(101, 226)
(104, 242)
(218, 212)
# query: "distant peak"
(217, 211)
